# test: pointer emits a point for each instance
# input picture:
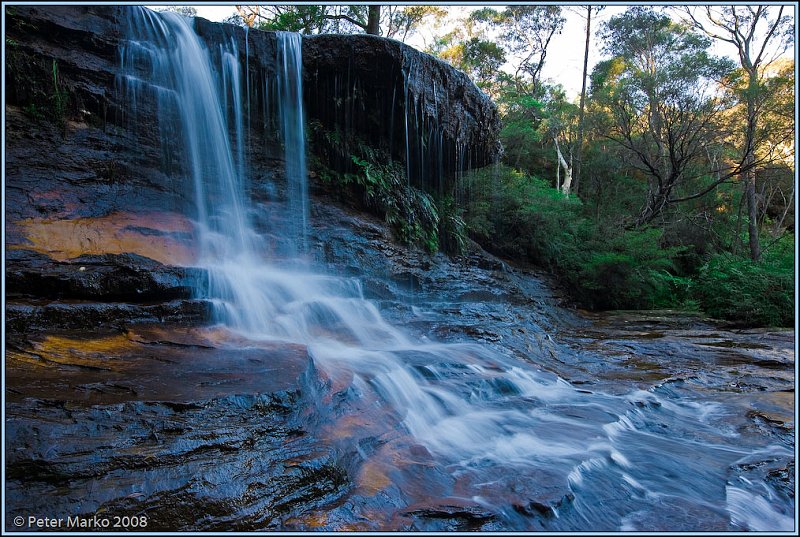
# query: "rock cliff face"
(418, 107)
(85, 174)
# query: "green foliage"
(526, 31)
(602, 264)
(736, 288)
(303, 19)
(392, 21)
(402, 22)
(379, 183)
(34, 112)
(658, 98)
(59, 99)
(452, 228)
(660, 197)
(36, 86)
(521, 134)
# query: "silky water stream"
(460, 429)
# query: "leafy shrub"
(379, 183)
(602, 264)
(753, 293)
(452, 228)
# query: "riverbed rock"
(108, 277)
(25, 316)
(166, 423)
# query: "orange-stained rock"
(150, 364)
(163, 236)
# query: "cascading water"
(497, 426)
(290, 95)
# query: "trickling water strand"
(231, 87)
(290, 95)
(247, 82)
(407, 79)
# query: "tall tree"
(400, 22)
(559, 124)
(660, 93)
(310, 19)
(525, 33)
(582, 106)
(468, 48)
(760, 36)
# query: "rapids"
(418, 417)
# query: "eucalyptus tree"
(760, 35)
(391, 21)
(660, 97)
(306, 19)
(525, 32)
(401, 22)
(560, 123)
(582, 106)
(468, 48)
(313, 19)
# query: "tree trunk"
(374, 20)
(558, 174)
(752, 210)
(567, 169)
(657, 199)
(779, 223)
(750, 174)
(579, 147)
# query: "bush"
(378, 183)
(603, 265)
(752, 293)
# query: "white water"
(290, 95)
(476, 409)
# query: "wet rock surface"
(161, 462)
(41, 315)
(91, 292)
(176, 425)
(119, 278)
(200, 430)
(416, 106)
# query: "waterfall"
(165, 56)
(485, 416)
(290, 95)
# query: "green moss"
(36, 86)
(59, 99)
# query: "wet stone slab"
(187, 427)
(149, 363)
